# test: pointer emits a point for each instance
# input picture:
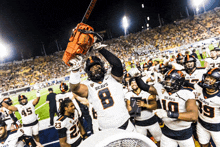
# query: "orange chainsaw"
(82, 37)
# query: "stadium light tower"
(125, 23)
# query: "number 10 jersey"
(108, 101)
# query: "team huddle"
(175, 91)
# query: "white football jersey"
(62, 96)
(7, 118)
(108, 101)
(12, 140)
(209, 106)
(175, 102)
(68, 127)
(212, 63)
(27, 112)
(177, 66)
(196, 76)
(145, 114)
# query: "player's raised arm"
(115, 62)
(12, 108)
(36, 100)
(75, 85)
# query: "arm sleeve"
(117, 69)
(141, 84)
(13, 117)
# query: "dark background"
(26, 25)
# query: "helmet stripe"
(170, 72)
(210, 72)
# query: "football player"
(147, 121)
(214, 61)
(192, 73)
(208, 101)
(9, 116)
(178, 111)
(104, 92)
(27, 111)
(65, 95)
(15, 138)
(68, 125)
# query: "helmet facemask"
(190, 65)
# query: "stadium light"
(125, 23)
(3, 52)
(198, 2)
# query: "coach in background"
(51, 100)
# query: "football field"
(42, 108)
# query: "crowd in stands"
(179, 33)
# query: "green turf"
(42, 112)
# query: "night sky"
(26, 24)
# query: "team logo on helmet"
(8, 101)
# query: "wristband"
(38, 94)
(172, 114)
(74, 78)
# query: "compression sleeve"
(117, 69)
(13, 117)
(141, 84)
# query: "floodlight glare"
(198, 2)
(3, 51)
(125, 22)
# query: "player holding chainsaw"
(103, 91)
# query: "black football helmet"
(98, 75)
(162, 68)
(176, 80)
(189, 58)
(146, 66)
(63, 87)
(150, 63)
(8, 101)
(20, 98)
(215, 73)
(180, 59)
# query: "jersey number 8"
(106, 98)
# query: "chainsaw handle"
(100, 39)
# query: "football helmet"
(162, 68)
(190, 59)
(174, 79)
(146, 66)
(63, 87)
(8, 101)
(96, 75)
(20, 98)
(180, 59)
(207, 83)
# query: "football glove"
(160, 113)
(98, 46)
(75, 63)
(134, 72)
